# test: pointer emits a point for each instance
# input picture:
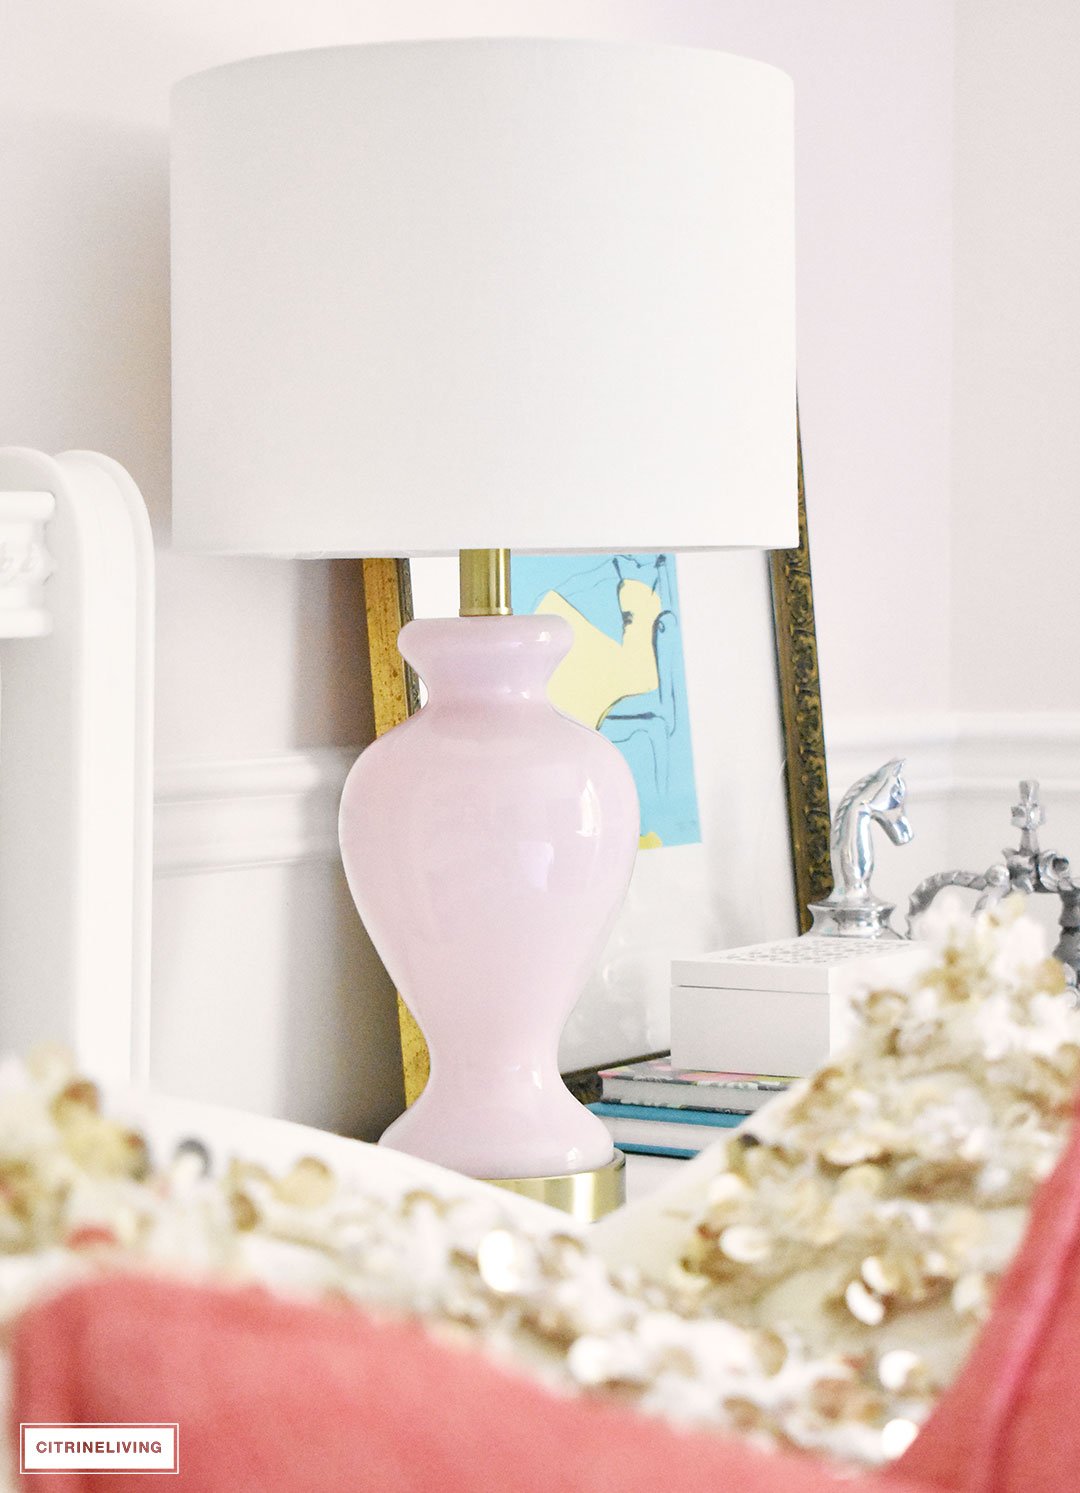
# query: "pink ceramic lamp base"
(488, 842)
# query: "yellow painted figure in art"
(599, 671)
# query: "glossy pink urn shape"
(488, 843)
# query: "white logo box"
(777, 1007)
(99, 1447)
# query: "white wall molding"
(994, 751)
(927, 742)
(265, 811)
(962, 755)
(962, 772)
(260, 811)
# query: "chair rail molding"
(236, 814)
(996, 750)
(963, 755)
(856, 744)
(240, 814)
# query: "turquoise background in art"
(652, 730)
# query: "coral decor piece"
(844, 1249)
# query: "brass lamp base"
(586, 1196)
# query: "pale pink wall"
(873, 91)
(1017, 428)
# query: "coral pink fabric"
(274, 1397)
(1010, 1424)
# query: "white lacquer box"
(776, 1007)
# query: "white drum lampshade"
(433, 296)
(461, 295)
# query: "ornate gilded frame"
(800, 712)
(395, 696)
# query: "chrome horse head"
(876, 799)
(851, 908)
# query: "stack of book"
(784, 1006)
(654, 1109)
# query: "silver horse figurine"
(851, 910)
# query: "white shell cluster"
(845, 1249)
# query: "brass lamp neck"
(485, 583)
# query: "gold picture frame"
(395, 696)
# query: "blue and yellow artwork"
(625, 673)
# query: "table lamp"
(475, 296)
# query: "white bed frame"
(76, 668)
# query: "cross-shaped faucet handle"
(1028, 814)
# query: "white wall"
(1017, 370)
(1013, 697)
(1016, 435)
(266, 992)
(873, 156)
(874, 104)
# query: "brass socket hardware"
(485, 583)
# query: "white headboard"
(76, 703)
